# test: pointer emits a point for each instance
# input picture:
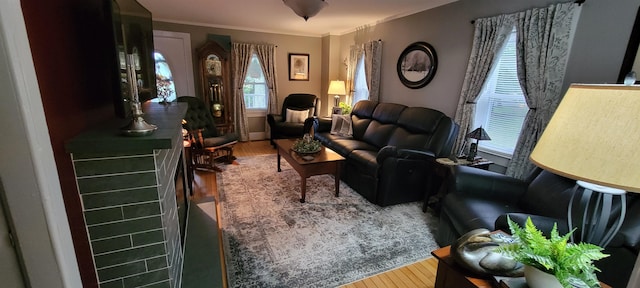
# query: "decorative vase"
(539, 279)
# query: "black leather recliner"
(280, 128)
(482, 199)
(389, 154)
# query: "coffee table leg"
(337, 177)
(279, 170)
(303, 188)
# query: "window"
(501, 107)
(360, 84)
(164, 79)
(255, 87)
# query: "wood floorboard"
(419, 274)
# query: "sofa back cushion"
(425, 128)
(361, 116)
(548, 195)
(382, 124)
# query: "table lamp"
(336, 88)
(478, 134)
(593, 137)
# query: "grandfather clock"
(215, 83)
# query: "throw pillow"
(297, 116)
(341, 125)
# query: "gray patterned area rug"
(273, 240)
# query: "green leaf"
(571, 263)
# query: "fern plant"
(571, 263)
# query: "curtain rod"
(579, 2)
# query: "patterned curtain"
(544, 36)
(372, 63)
(240, 58)
(489, 37)
(267, 56)
(355, 52)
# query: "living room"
(74, 96)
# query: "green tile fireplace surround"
(128, 194)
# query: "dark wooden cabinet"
(215, 83)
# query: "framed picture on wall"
(298, 67)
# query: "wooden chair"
(207, 144)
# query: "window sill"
(500, 159)
(254, 113)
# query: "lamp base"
(593, 207)
(473, 151)
(138, 126)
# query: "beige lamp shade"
(336, 87)
(594, 136)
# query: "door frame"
(187, 56)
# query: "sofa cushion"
(467, 213)
(365, 160)
(548, 194)
(402, 138)
(378, 133)
(344, 146)
(420, 120)
(388, 113)
(296, 116)
(290, 129)
(359, 125)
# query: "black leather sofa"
(482, 199)
(388, 156)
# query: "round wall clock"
(417, 65)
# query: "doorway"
(176, 49)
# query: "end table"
(442, 171)
(450, 275)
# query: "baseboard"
(253, 136)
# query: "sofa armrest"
(486, 184)
(321, 125)
(543, 223)
(273, 118)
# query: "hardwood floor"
(419, 274)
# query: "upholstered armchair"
(207, 145)
(483, 199)
(296, 108)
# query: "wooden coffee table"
(326, 161)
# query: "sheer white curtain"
(364, 59)
(355, 52)
(360, 89)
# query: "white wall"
(27, 167)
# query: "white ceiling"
(339, 17)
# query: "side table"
(450, 275)
(442, 171)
